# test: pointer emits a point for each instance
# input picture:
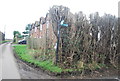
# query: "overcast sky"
(16, 14)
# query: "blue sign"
(64, 25)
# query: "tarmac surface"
(13, 68)
(8, 66)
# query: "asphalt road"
(12, 68)
(8, 66)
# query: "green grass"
(4, 41)
(21, 51)
(14, 43)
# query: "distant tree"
(27, 30)
(28, 27)
(17, 35)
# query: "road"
(8, 66)
(12, 68)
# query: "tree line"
(86, 41)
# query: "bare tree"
(58, 14)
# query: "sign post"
(59, 24)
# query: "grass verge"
(21, 51)
(4, 41)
